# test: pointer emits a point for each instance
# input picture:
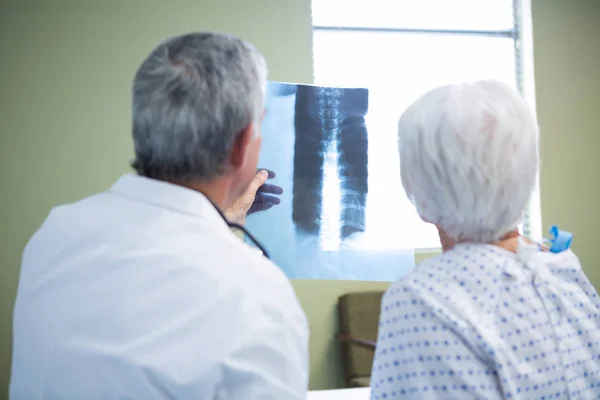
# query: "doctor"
(143, 291)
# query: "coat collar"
(169, 196)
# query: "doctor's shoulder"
(263, 278)
(64, 220)
(228, 259)
(261, 269)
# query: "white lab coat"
(142, 292)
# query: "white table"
(340, 394)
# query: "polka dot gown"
(479, 322)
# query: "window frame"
(522, 36)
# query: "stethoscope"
(247, 234)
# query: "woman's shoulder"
(566, 267)
(440, 279)
(475, 272)
(565, 261)
(461, 266)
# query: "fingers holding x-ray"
(265, 198)
(263, 202)
(271, 173)
(270, 188)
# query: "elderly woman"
(493, 316)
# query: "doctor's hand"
(265, 198)
(258, 197)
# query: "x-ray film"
(339, 169)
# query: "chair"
(359, 319)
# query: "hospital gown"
(479, 322)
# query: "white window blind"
(401, 48)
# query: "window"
(400, 49)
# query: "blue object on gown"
(561, 240)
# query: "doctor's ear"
(242, 147)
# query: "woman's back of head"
(469, 158)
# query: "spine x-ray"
(330, 127)
(316, 140)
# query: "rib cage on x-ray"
(325, 117)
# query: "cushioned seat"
(360, 382)
(359, 319)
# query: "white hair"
(192, 96)
(469, 158)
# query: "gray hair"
(192, 96)
(469, 158)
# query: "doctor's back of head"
(143, 291)
(198, 101)
(469, 159)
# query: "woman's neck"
(509, 242)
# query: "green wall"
(567, 68)
(65, 72)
